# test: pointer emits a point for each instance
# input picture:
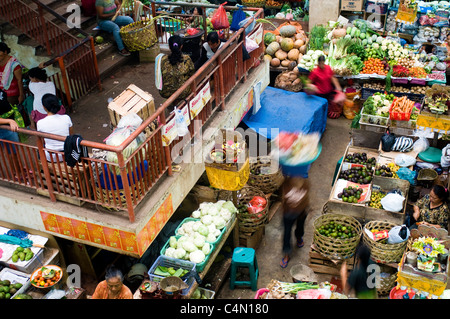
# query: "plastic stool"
(244, 257)
(336, 170)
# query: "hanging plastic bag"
(392, 202)
(182, 128)
(219, 20)
(238, 16)
(250, 44)
(131, 119)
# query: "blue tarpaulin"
(283, 110)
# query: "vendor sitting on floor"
(432, 209)
(322, 77)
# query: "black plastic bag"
(387, 141)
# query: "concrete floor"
(91, 119)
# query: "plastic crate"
(166, 261)
(200, 266)
(374, 120)
(214, 243)
(411, 96)
(15, 276)
(366, 93)
(27, 267)
(209, 294)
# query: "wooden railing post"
(65, 81)
(221, 84)
(47, 175)
(126, 185)
(94, 58)
(44, 28)
(166, 148)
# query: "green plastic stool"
(431, 155)
(336, 170)
(244, 257)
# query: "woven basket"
(336, 248)
(383, 253)
(139, 35)
(205, 194)
(387, 283)
(254, 4)
(115, 197)
(249, 223)
(263, 177)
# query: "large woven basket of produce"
(336, 236)
(265, 174)
(253, 208)
(254, 3)
(289, 80)
(380, 250)
(139, 35)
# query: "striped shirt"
(109, 6)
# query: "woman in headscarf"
(11, 76)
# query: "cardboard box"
(132, 100)
(352, 5)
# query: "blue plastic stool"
(244, 257)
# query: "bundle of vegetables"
(285, 290)
(378, 104)
(394, 49)
(437, 98)
(310, 60)
(339, 49)
(358, 49)
(406, 62)
(374, 50)
(288, 47)
(218, 213)
(317, 37)
(348, 65)
(170, 271)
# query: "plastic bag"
(407, 174)
(387, 141)
(351, 108)
(219, 20)
(238, 16)
(131, 119)
(445, 158)
(421, 145)
(250, 45)
(398, 234)
(392, 202)
(182, 128)
(404, 160)
(117, 137)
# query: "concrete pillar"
(322, 11)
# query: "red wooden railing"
(88, 181)
(75, 58)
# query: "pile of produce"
(361, 158)
(289, 46)
(170, 271)
(284, 290)
(199, 294)
(402, 105)
(194, 249)
(357, 174)
(375, 66)
(310, 60)
(375, 199)
(377, 105)
(351, 194)
(336, 230)
(8, 289)
(290, 80)
(389, 170)
(46, 277)
(22, 254)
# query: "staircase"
(24, 26)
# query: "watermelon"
(269, 37)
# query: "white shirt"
(209, 52)
(39, 89)
(55, 124)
